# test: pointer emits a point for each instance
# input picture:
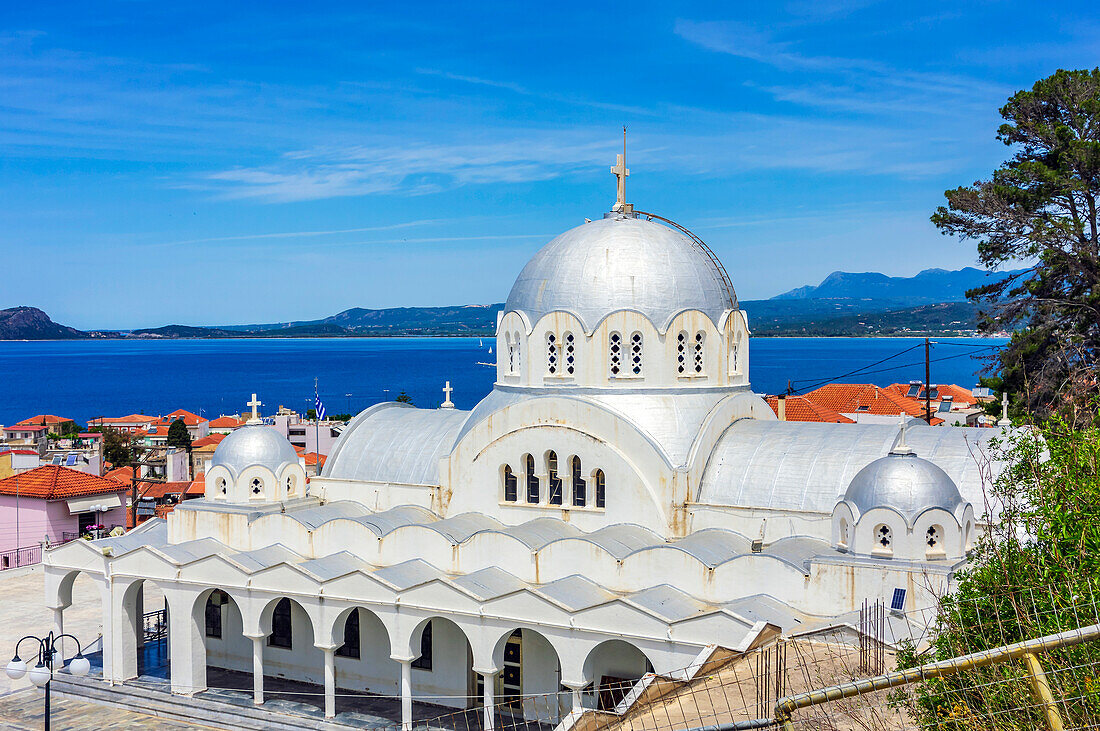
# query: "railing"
(17, 557)
(154, 625)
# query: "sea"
(83, 379)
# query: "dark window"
(579, 485)
(599, 488)
(424, 662)
(280, 625)
(532, 480)
(214, 613)
(350, 648)
(553, 480)
(510, 485)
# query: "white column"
(330, 681)
(406, 694)
(576, 699)
(258, 670)
(186, 644)
(488, 681)
(59, 629)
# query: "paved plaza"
(22, 709)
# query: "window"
(570, 354)
(551, 354)
(510, 491)
(884, 538)
(933, 538)
(598, 478)
(424, 662)
(636, 354)
(532, 479)
(511, 353)
(553, 481)
(221, 485)
(519, 353)
(842, 540)
(735, 355)
(681, 353)
(280, 625)
(699, 341)
(290, 485)
(257, 485)
(351, 647)
(616, 354)
(214, 605)
(579, 484)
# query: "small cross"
(620, 172)
(447, 390)
(255, 404)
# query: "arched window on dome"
(636, 354)
(842, 538)
(531, 479)
(615, 354)
(884, 539)
(570, 354)
(257, 486)
(579, 484)
(735, 354)
(551, 354)
(519, 353)
(681, 353)
(511, 491)
(933, 540)
(601, 492)
(552, 479)
(700, 343)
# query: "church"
(620, 503)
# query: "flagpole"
(316, 428)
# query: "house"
(54, 424)
(800, 408)
(55, 503)
(866, 403)
(225, 424)
(306, 433)
(14, 459)
(129, 424)
(202, 451)
(197, 426)
(25, 434)
(83, 452)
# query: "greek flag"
(320, 407)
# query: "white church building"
(620, 502)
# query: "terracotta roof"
(312, 457)
(26, 427)
(226, 422)
(53, 482)
(46, 419)
(208, 440)
(853, 398)
(198, 485)
(958, 394)
(122, 474)
(17, 451)
(160, 489)
(131, 419)
(189, 418)
(800, 408)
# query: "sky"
(227, 163)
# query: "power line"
(864, 372)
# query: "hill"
(930, 285)
(31, 323)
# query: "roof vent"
(758, 542)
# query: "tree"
(118, 448)
(404, 398)
(311, 414)
(178, 436)
(1040, 208)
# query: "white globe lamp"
(16, 669)
(79, 666)
(39, 675)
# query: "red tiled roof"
(43, 419)
(800, 408)
(851, 398)
(198, 485)
(159, 490)
(25, 427)
(17, 451)
(122, 474)
(209, 439)
(958, 394)
(312, 457)
(131, 419)
(53, 482)
(226, 422)
(188, 418)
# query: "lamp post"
(42, 673)
(97, 509)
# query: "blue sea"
(88, 378)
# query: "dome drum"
(255, 464)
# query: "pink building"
(56, 504)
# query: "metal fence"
(29, 555)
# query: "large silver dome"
(621, 263)
(254, 445)
(905, 482)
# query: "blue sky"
(258, 162)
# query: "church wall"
(448, 682)
(748, 521)
(540, 676)
(232, 650)
(302, 661)
(377, 496)
(373, 671)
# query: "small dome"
(622, 263)
(905, 482)
(254, 445)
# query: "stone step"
(200, 709)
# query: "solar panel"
(71, 460)
(897, 603)
(914, 389)
(57, 459)
(944, 406)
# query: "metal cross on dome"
(621, 173)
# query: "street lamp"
(42, 672)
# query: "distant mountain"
(458, 320)
(930, 285)
(31, 323)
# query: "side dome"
(254, 445)
(905, 482)
(622, 263)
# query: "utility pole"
(927, 384)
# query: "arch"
(599, 488)
(577, 482)
(530, 677)
(510, 484)
(140, 635)
(883, 539)
(448, 679)
(570, 359)
(934, 541)
(614, 666)
(219, 616)
(699, 365)
(553, 479)
(518, 343)
(968, 536)
(842, 536)
(614, 354)
(636, 353)
(531, 480)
